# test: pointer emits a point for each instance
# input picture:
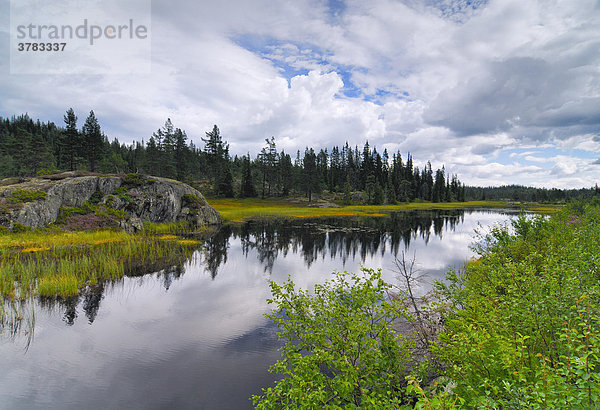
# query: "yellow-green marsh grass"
(238, 210)
(53, 239)
(166, 228)
(59, 263)
(56, 285)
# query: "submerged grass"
(238, 210)
(58, 263)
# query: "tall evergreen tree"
(215, 148)
(439, 186)
(181, 153)
(285, 173)
(247, 189)
(152, 165)
(311, 182)
(168, 150)
(71, 143)
(268, 166)
(94, 140)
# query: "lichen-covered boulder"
(133, 199)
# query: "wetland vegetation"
(508, 282)
(521, 328)
(58, 263)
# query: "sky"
(498, 91)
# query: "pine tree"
(439, 186)
(285, 173)
(181, 153)
(310, 172)
(94, 140)
(224, 183)
(70, 143)
(347, 192)
(168, 150)
(152, 164)
(268, 166)
(215, 148)
(390, 192)
(247, 186)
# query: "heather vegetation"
(518, 328)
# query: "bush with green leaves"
(27, 195)
(340, 350)
(523, 327)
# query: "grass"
(58, 263)
(238, 210)
(168, 228)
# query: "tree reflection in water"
(336, 237)
(340, 237)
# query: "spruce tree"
(285, 172)
(70, 143)
(247, 186)
(94, 140)
(214, 149)
(310, 172)
(390, 192)
(181, 153)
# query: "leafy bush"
(18, 228)
(27, 195)
(133, 180)
(191, 201)
(121, 193)
(341, 350)
(108, 212)
(45, 171)
(96, 197)
(524, 328)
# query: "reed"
(238, 210)
(57, 264)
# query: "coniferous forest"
(29, 147)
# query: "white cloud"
(450, 81)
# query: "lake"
(194, 336)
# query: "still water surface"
(194, 336)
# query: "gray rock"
(147, 199)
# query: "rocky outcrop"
(130, 200)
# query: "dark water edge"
(193, 336)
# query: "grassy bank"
(58, 263)
(238, 210)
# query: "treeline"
(28, 147)
(528, 194)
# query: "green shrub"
(96, 197)
(525, 319)
(27, 195)
(191, 201)
(45, 171)
(340, 351)
(133, 180)
(107, 212)
(121, 193)
(18, 228)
